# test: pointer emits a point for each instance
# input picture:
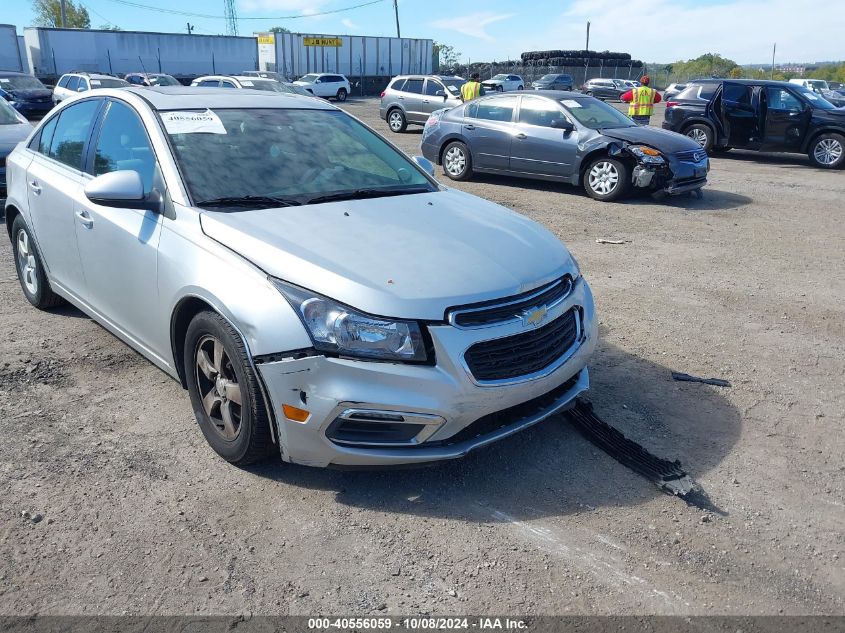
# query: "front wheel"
(701, 134)
(224, 391)
(396, 121)
(828, 151)
(606, 179)
(30, 269)
(520, 87)
(457, 161)
(500, 88)
(341, 94)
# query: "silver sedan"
(317, 293)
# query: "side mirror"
(318, 81)
(124, 190)
(424, 164)
(440, 93)
(563, 124)
(81, 89)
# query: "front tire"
(341, 95)
(828, 151)
(606, 179)
(396, 121)
(30, 269)
(457, 161)
(701, 134)
(224, 391)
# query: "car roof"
(548, 94)
(7, 73)
(192, 98)
(92, 75)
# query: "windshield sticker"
(5, 81)
(244, 82)
(571, 103)
(810, 95)
(192, 123)
(96, 82)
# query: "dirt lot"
(139, 516)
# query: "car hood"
(11, 135)
(408, 256)
(30, 94)
(493, 81)
(663, 140)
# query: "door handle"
(84, 219)
(401, 98)
(470, 126)
(36, 189)
(521, 136)
(425, 101)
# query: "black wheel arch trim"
(815, 134)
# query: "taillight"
(672, 104)
(382, 94)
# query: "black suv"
(769, 116)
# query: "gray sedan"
(316, 291)
(562, 136)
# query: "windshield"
(107, 82)
(818, 83)
(267, 84)
(21, 82)
(500, 76)
(815, 99)
(309, 78)
(548, 77)
(163, 80)
(8, 115)
(291, 156)
(596, 114)
(453, 85)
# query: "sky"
(650, 30)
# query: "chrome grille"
(693, 155)
(501, 311)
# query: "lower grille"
(523, 354)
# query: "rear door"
(413, 100)
(786, 119)
(54, 183)
(118, 247)
(490, 130)
(537, 147)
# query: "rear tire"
(828, 151)
(701, 134)
(457, 161)
(30, 268)
(606, 179)
(396, 120)
(225, 395)
(341, 94)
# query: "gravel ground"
(113, 503)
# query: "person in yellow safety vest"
(472, 89)
(641, 100)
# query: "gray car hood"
(11, 135)
(409, 256)
(663, 140)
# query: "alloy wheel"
(603, 177)
(27, 264)
(699, 136)
(455, 161)
(395, 121)
(218, 387)
(827, 151)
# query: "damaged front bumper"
(675, 174)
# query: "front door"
(537, 147)
(54, 184)
(740, 115)
(786, 120)
(489, 130)
(431, 101)
(412, 100)
(119, 247)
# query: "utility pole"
(774, 48)
(190, 28)
(64, 14)
(588, 36)
(396, 11)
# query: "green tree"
(49, 13)
(735, 73)
(279, 29)
(447, 54)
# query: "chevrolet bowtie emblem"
(534, 316)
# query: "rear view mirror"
(563, 124)
(124, 190)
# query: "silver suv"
(73, 83)
(326, 301)
(411, 98)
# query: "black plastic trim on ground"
(669, 476)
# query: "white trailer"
(53, 52)
(297, 54)
(10, 56)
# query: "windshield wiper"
(253, 202)
(361, 194)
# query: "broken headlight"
(646, 155)
(334, 327)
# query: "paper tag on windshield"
(571, 103)
(5, 81)
(246, 83)
(192, 123)
(96, 82)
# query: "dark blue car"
(26, 94)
